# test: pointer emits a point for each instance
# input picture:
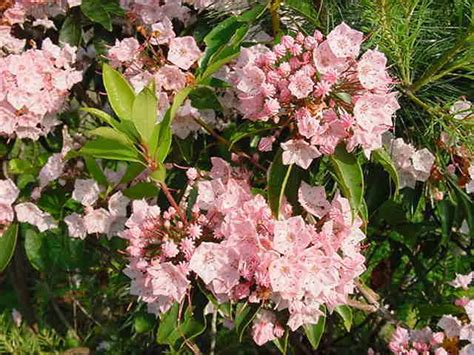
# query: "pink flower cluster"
(412, 165)
(457, 336)
(170, 77)
(243, 253)
(26, 212)
(99, 220)
(325, 94)
(38, 9)
(33, 88)
(160, 247)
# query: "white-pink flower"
(299, 152)
(301, 85)
(30, 213)
(86, 191)
(183, 52)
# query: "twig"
(172, 201)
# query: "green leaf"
(95, 171)
(143, 322)
(103, 116)
(163, 142)
(282, 343)
(35, 249)
(112, 134)
(305, 8)
(102, 11)
(349, 177)
(203, 98)
(71, 31)
(7, 245)
(111, 149)
(144, 114)
(222, 33)
(314, 332)
(168, 324)
(133, 170)
(244, 315)
(141, 190)
(382, 157)
(249, 129)
(346, 314)
(277, 180)
(119, 92)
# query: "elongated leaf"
(102, 11)
(144, 114)
(112, 134)
(119, 92)
(141, 190)
(244, 315)
(382, 157)
(346, 314)
(36, 249)
(277, 180)
(168, 324)
(163, 142)
(111, 149)
(95, 171)
(7, 245)
(305, 8)
(315, 332)
(249, 129)
(203, 98)
(71, 31)
(349, 177)
(103, 116)
(133, 170)
(282, 343)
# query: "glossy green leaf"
(111, 134)
(36, 249)
(349, 177)
(282, 343)
(7, 245)
(382, 157)
(203, 98)
(102, 11)
(305, 8)
(314, 332)
(119, 92)
(95, 171)
(133, 170)
(110, 149)
(168, 324)
(71, 31)
(141, 190)
(144, 114)
(103, 116)
(346, 314)
(249, 129)
(143, 322)
(277, 180)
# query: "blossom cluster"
(413, 165)
(457, 335)
(26, 212)
(37, 9)
(240, 251)
(170, 75)
(34, 86)
(328, 95)
(99, 220)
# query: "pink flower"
(168, 280)
(118, 204)
(323, 88)
(265, 328)
(183, 52)
(326, 61)
(301, 85)
(194, 231)
(371, 70)
(86, 191)
(76, 226)
(344, 41)
(299, 152)
(124, 51)
(451, 325)
(162, 31)
(8, 191)
(266, 144)
(462, 281)
(308, 126)
(192, 174)
(171, 78)
(399, 342)
(291, 236)
(29, 213)
(313, 199)
(98, 221)
(251, 79)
